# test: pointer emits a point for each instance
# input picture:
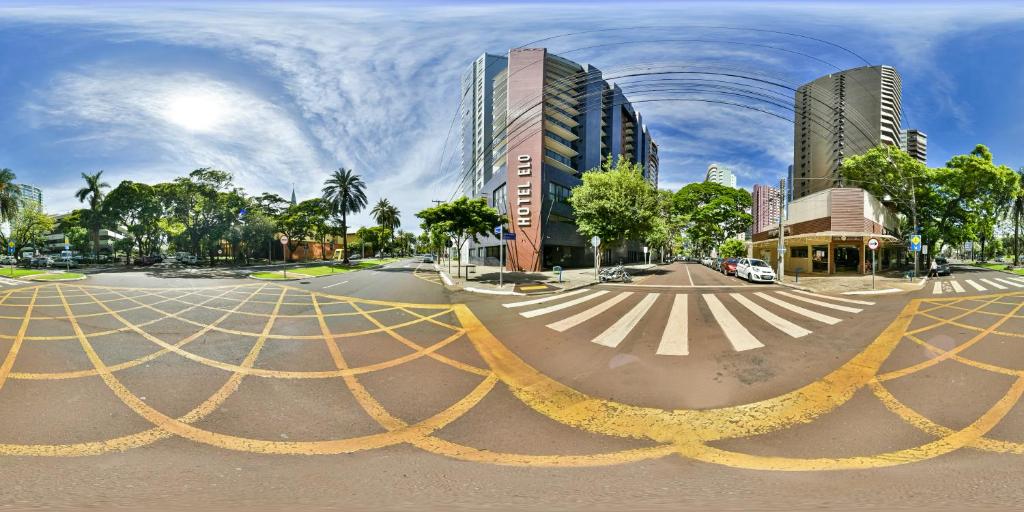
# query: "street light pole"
(782, 243)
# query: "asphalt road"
(381, 389)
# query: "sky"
(283, 94)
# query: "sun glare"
(197, 112)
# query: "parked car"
(943, 266)
(728, 267)
(65, 262)
(42, 262)
(8, 259)
(706, 261)
(716, 265)
(427, 258)
(754, 270)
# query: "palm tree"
(92, 193)
(387, 216)
(8, 195)
(345, 193)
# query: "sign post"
(501, 256)
(10, 251)
(595, 242)
(645, 256)
(284, 249)
(873, 245)
(915, 246)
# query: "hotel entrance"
(847, 258)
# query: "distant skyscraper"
(720, 175)
(478, 108)
(30, 194)
(840, 115)
(766, 207)
(789, 184)
(915, 143)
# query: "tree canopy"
(615, 203)
(462, 220)
(712, 213)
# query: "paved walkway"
(852, 283)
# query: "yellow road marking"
(12, 353)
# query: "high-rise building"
(478, 109)
(720, 175)
(789, 184)
(915, 143)
(840, 115)
(765, 207)
(532, 124)
(30, 194)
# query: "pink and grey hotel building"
(532, 124)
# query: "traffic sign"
(284, 240)
(497, 230)
(873, 244)
(67, 247)
(915, 243)
(508, 236)
(924, 250)
(10, 244)
(595, 241)
(645, 249)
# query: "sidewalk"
(484, 279)
(853, 284)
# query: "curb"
(875, 292)
(1000, 270)
(33, 278)
(251, 276)
(492, 292)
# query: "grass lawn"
(20, 272)
(279, 275)
(1000, 266)
(57, 277)
(323, 270)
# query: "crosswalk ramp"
(990, 284)
(740, 320)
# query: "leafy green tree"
(78, 238)
(387, 216)
(92, 194)
(462, 220)
(28, 228)
(1018, 215)
(138, 208)
(8, 195)
(732, 248)
(712, 213)
(299, 221)
(256, 231)
(345, 194)
(981, 188)
(615, 203)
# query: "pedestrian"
(933, 269)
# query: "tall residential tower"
(915, 143)
(840, 115)
(720, 175)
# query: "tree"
(345, 193)
(462, 220)
(615, 203)
(257, 229)
(92, 193)
(137, 207)
(8, 195)
(298, 222)
(712, 213)
(387, 216)
(28, 227)
(732, 248)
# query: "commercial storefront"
(827, 233)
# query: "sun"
(196, 112)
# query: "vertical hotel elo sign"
(524, 192)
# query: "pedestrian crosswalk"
(6, 281)
(941, 287)
(673, 321)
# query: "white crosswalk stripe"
(542, 300)
(839, 299)
(814, 315)
(823, 304)
(572, 321)
(614, 335)
(564, 305)
(993, 284)
(976, 286)
(937, 289)
(675, 339)
(9, 282)
(739, 337)
(1009, 282)
(957, 287)
(774, 320)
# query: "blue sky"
(285, 93)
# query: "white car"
(754, 270)
(706, 261)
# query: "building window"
(499, 198)
(555, 156)
(558, 193)
(798, 252)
